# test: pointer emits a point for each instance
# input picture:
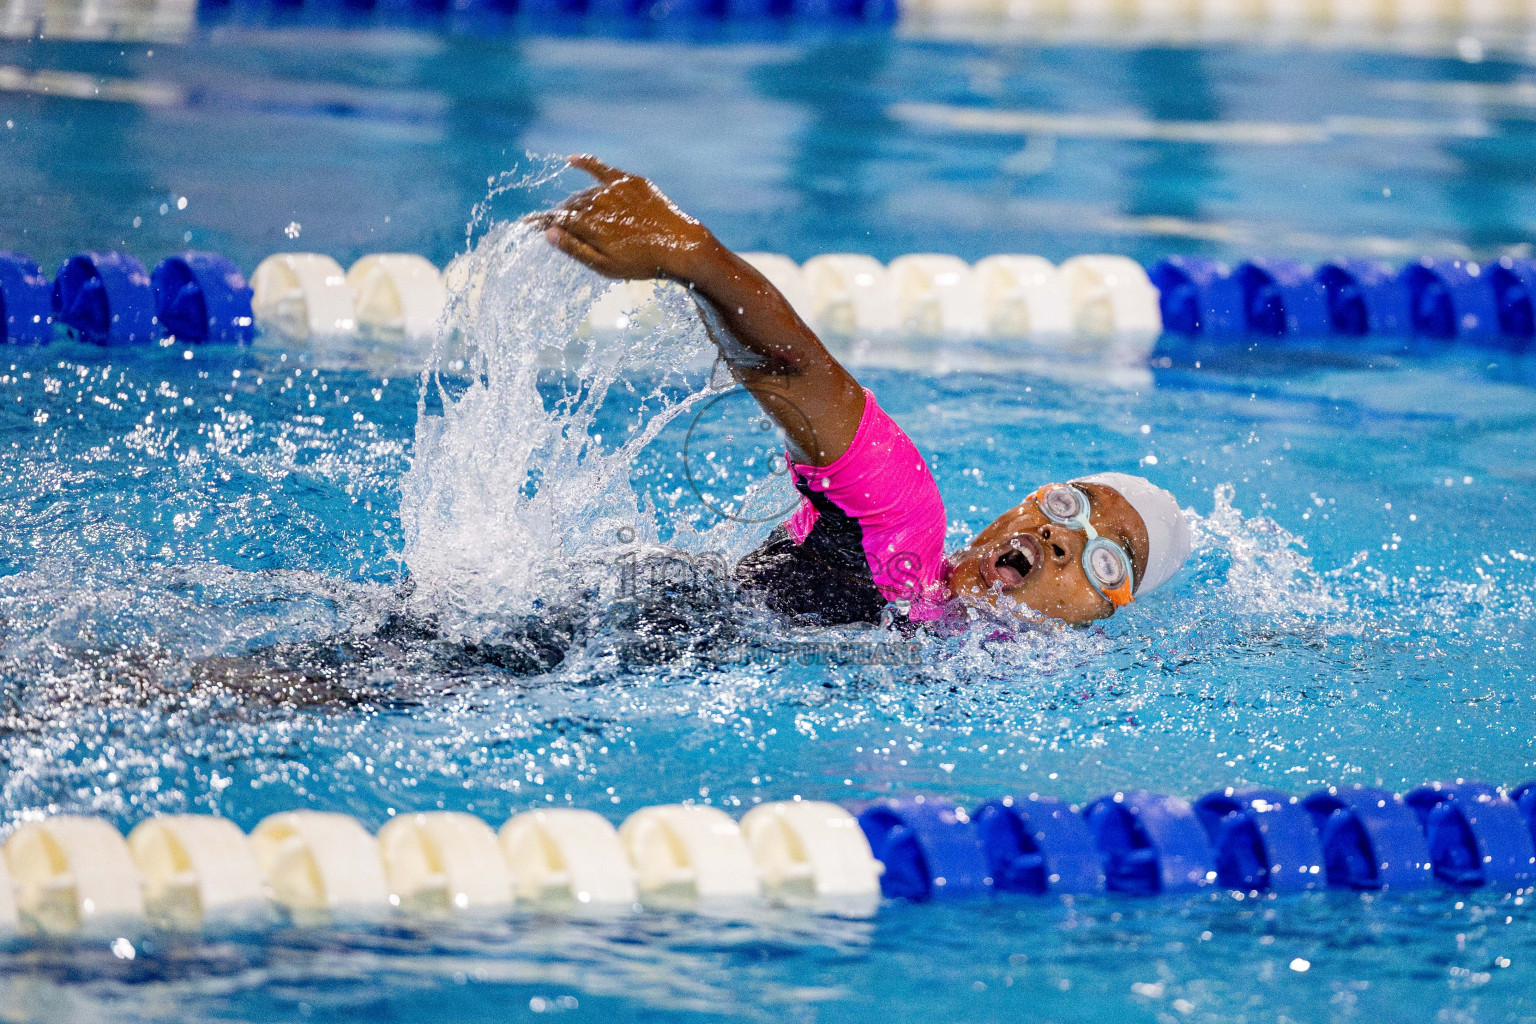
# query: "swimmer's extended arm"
(625, 228)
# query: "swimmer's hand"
(624, 227)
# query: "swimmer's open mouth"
(1013, 565)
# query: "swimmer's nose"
(1058, 552)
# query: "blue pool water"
(382, 141)
(233, 580)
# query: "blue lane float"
(1523, 796)
(1514, 293)
(1450, 299)
(1463, 835)
(930, 849)
(1364, 297)
(1371, 839)
(1440, 301)
(1256, 299)
(1150, 844)
(1187, 295)
(870, 11)
(26, 301)
(1037, 845)
(1263, 840)
(1476, 835)
(105, 298)
(203, 297)
(1281, 299)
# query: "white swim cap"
(1167, 530)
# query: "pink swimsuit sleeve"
(882, 482)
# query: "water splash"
(514, 492)
(1267, 571)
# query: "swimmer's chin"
(996, 610)
(970, 586)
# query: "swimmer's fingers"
(571, 210)
(580, 222)
(595, 167)
(563, 221)
(573, 204)
(580, 251)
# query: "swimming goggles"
(1105, 563)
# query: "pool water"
(248, 580)
(377, 141)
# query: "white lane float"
(567, 857)
(167, 19)
(396, 296)
(1204, 15)
(444, 862)
(936, 296)
(316, 862)
(73, 873)
(622, 307)
(9, 919)
(1098, 12)
(303, 296)
(20, 19)
(1114, 307)
(1426, 13)
(976, 9)
(689, 855)
(1229, 14)
(171, 20)
(849, 295)
(196, 867)
(1164, 12)
(785, 275)
(1354, 13)
(1096, 307)
(813, 853)
(1024, 297)
(1494, 13)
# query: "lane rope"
(69, 874)
(1105, 308)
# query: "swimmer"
(869, 530)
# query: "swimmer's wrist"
(701, 263)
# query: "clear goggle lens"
(1062, 504)
(1108, 565)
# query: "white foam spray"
(513, 493)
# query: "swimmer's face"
(1038, 563)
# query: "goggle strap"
(1119, 596)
